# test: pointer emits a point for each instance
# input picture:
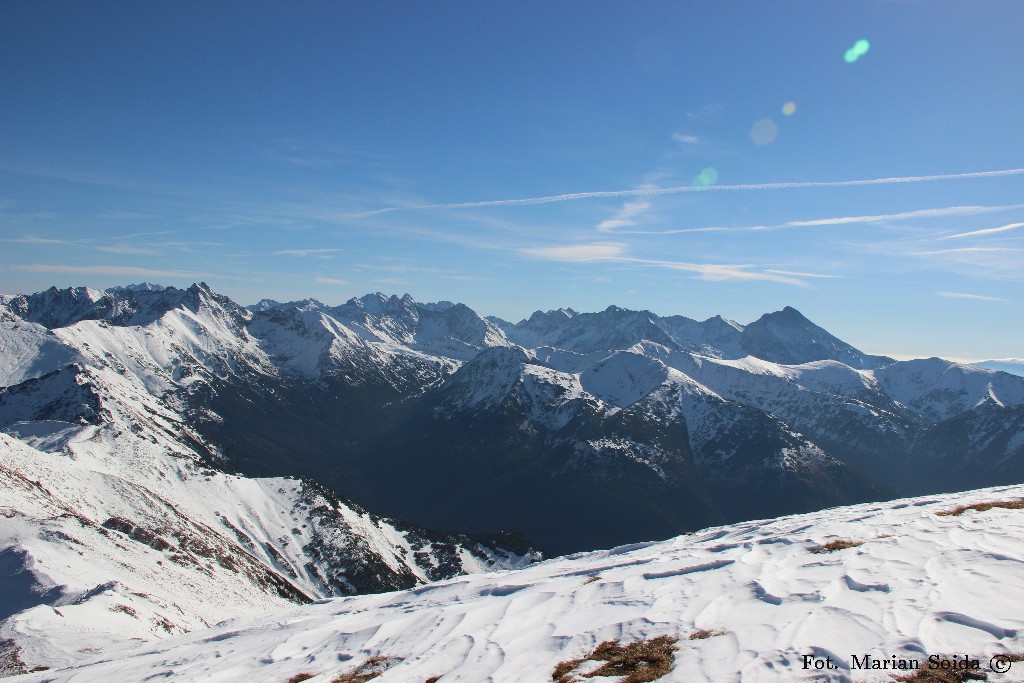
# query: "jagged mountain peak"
(787, 316)
(437, 305)
(555, 314)
(789, 338)
(607, 330)
(380, 303)
(60, 307)
(719, 320)
(310, 304)
(131, 305)
(141, 287)
(264, 305)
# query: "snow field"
(918, 584)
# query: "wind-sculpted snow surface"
(752, 602)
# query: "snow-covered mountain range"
(170, 459)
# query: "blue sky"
(288, 150)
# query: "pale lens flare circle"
(764, 132)
(789, 108)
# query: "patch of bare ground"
(125, 609)
(998, 663)
(592, 578)
(940, 676)
(300, 677)
(704, 634)
(981, 507)
(368, 670)
(1015, 657)
(833, 546)
(639, 662)
(928, 675)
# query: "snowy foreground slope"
(919, 584)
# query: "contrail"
(655, 191)
(986, 231)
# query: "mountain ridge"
(172, 431)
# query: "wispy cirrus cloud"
(303, 252)
(659, 191)
(120, 247)
(616, 253)
(943, 212)
(970, 250)
(976, 297)
(801, 274)
(986, 231)
(313, 154)
(426, 270)
(903, 215)
(124, 249)
(33, 240)
(115, 271)
(725, 271)
(687, 139)
(331, 281)
(625, 217)
(578, 253)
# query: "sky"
(862, 162)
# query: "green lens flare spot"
(706, 178)
(859, 49)
(789, 108)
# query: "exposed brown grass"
(639, 662)
(432, 679)
(981, 507)
(368, 670)
(838, 544)
(124, 609)
(300, 677)
(939, 676)
(1015, 657)
(592, 579)
(704, 634)
(927, 675)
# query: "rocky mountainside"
(119, 519)
(618, 424)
